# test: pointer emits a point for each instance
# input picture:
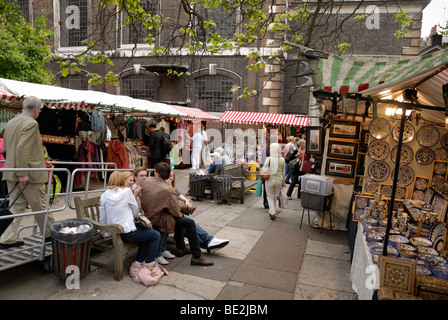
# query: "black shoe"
(12, 245)
(287, 182)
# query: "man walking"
(156, 145)
(24, 149)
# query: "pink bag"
(147, 273)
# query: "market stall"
(393, 116)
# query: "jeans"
(294, 180)
(148, 243)
(288, 173)
(162, 245)
(187, 227)
(203, 237)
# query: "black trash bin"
(223, 187)
(197, 182)
(71, 249)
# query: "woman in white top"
(118, 205)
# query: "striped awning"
(345, 75)
(6, 95)
(195, 113)
(294, 120)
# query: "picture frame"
(345, 129)
(340, 168)
(342, 149)
(314, 140)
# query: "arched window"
(139, 86)
(75, 81)
(212, 93)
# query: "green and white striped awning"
(345, 75)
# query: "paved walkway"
(265, 260)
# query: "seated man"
(216, 162)
(160, 203)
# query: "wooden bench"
(240, 183)
(89, 209)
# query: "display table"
(364, 272)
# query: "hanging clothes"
(116, 152)
(132, 154)
(87, 152)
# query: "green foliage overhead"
(23, 47)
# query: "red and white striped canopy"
(296, 120)
(6, 95)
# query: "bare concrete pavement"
(265, 260)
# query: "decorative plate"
(405, 175)
(400, 193)
(371, 187)
(440, 168)
(435, 260)
(379, 128)
(407, 253)
(419, 241)
(444, 141)
(404, 246)
(428, 135)
(379, 170)
(438, 204)
(437, 235)
(438, 243)
(398, 239)
(386, 190)
(440, 154)
(406, 155)
(421, 184)
(361, 202)
(427, 250)
(424, 156)
(408, 132)
(423, 271)
(429, 193)
(379, 149)
(418, 195)
(439, 271)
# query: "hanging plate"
(371, 187)
(440, 154)
(379, 128)
(424, 156)
(405, 175)
(379, 149)
(428, 135)
(408, 132)
(378, 170)
(444, 141)
(407, 154)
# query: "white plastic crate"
(316, 184)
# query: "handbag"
(307, 166)
(143, 222)
(259, 188)
(293, 163)
(267, 174)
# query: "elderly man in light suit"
(24, 149)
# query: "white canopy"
(86, 100)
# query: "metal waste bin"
(223, 187)
(71, 246)
(197, 182)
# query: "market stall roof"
(426, 73)
(296, 120)
(86, 100)
(195, 113)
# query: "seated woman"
(119, 206)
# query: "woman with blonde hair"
(275, 166)
(118, 205)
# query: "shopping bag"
(259, 188)
(282, 199)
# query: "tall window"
(24, 6)
(212, 93)
(75, 81)
(73, 22)
(138, 86)
(137, 32)
(225, 21)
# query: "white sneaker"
(215, 244)
(168, 255)
(161, 260)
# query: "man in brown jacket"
(160, 203)
(24, 149)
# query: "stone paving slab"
(243, 291)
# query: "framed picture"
(340, 149)
(340, 168)
(314, 140)
(365, 137)
(345, 129)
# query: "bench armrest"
(112, 228)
